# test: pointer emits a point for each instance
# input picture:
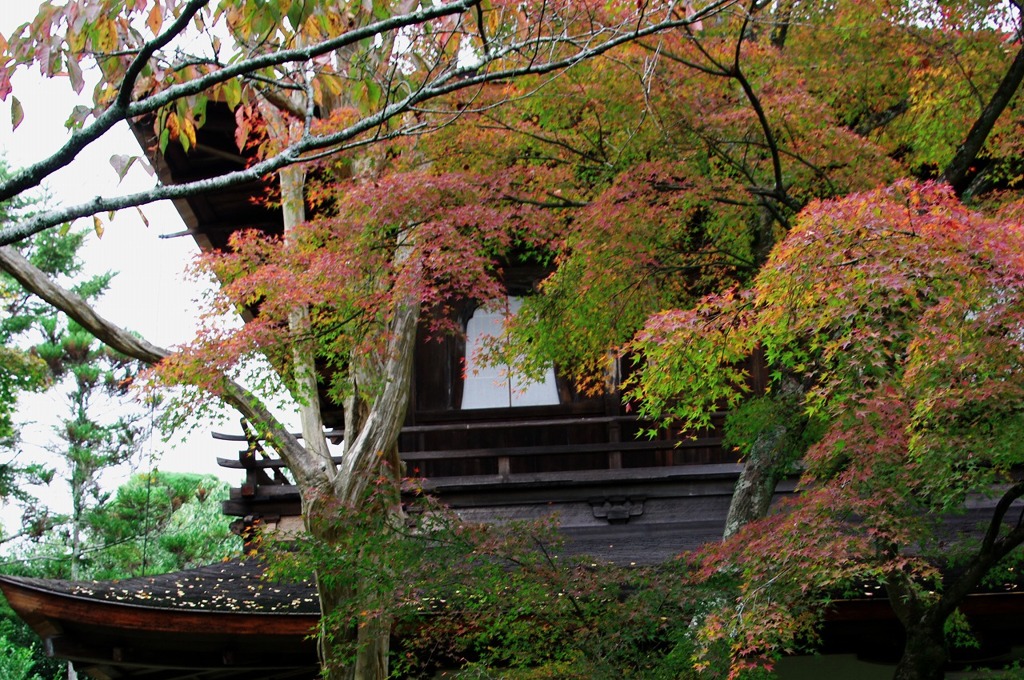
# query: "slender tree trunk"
(370, 453)
(768, 460)
(76, 534)
(958, 172)
(76, 551)
(293, 180)
(755, 487)
(372, 640)
(320, 494)
(322, 524)
(781, 19)
(371, 448)
(353, 651)
(926, 653)
(374, 644)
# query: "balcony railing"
(489, 448)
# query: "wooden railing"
(481, 448)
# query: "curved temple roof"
(217, 622)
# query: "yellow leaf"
(97, 224)
(155, 19)
(105, 36)
(232, 90)
(189, 132)
(17, 113)
(173, 125)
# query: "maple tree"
(500, 599)
(909, 349)
(166, 58)
(319, 81)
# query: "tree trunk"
(925, 654)
(76, 532)
(958, 172)
(755, 487)
(783, 16)
(769, 458)
(293, 208)
(374, 643)
(370, 642)
(372, 638)
(921, 615)
(351, 646)
(370, 449)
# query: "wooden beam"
(510, 451)
(166, 653)
(52, 608)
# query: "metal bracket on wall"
(617, 509)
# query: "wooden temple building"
(619, 497)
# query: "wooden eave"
(111, 631)
(212, 216)
(119, 641)
(44, 609)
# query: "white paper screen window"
(490, 386)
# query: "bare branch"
(124, 94)
(32, 175)
(1002, 507)
(778, 191)
(246, 403)
(34, 280)
(446, 82)
(957, 173)
(993, 548)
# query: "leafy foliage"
(341, 266)
(704, 148)
(910, 351)
(495, 601)
(363, 69)
(160, 522)
(156, 522)
(665, 190)
(16, 662)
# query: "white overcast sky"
(149, 295)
